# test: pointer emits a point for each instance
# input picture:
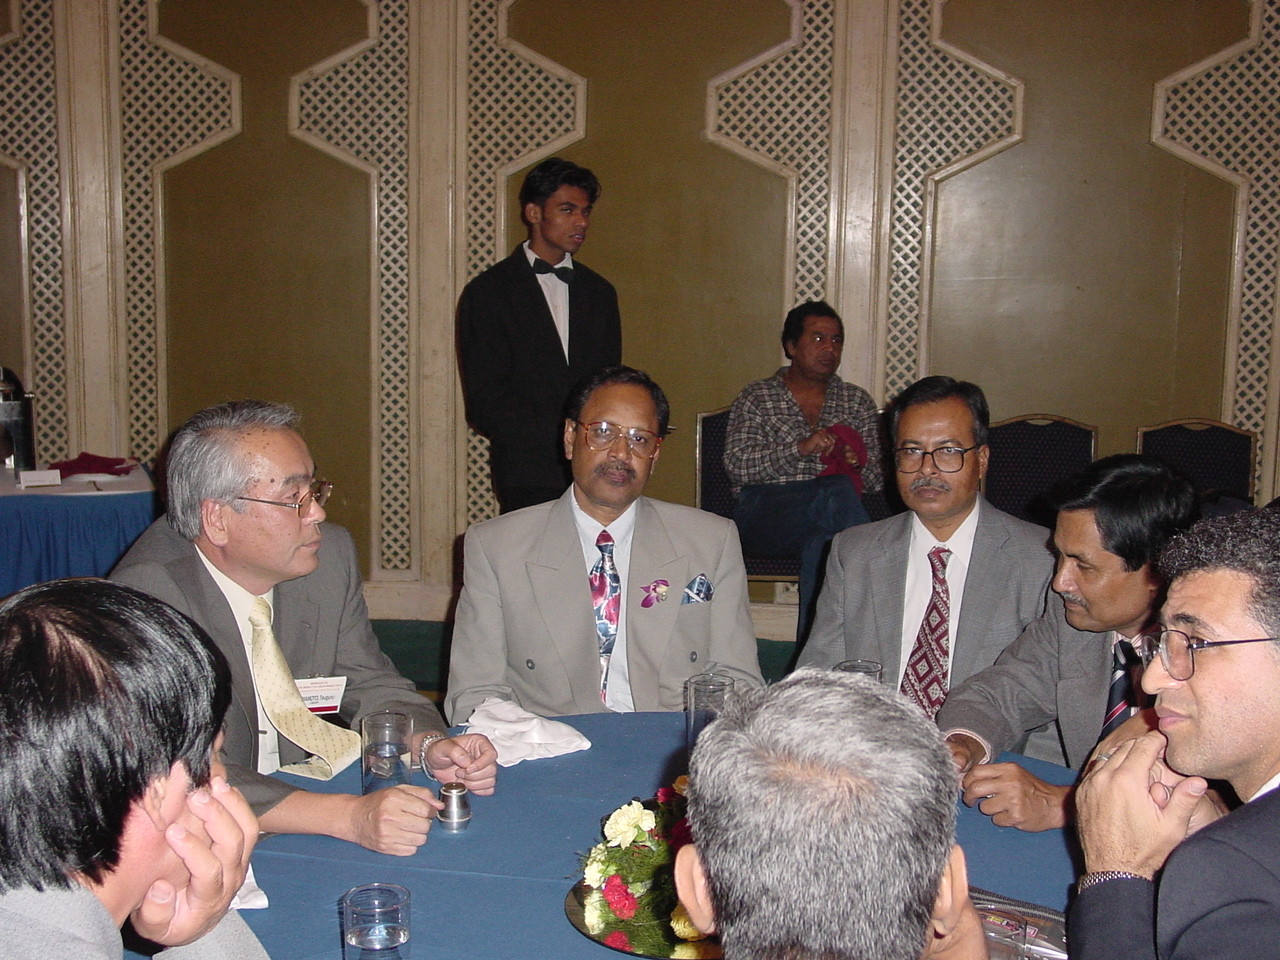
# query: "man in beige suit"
(603, 599)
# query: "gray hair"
(823, 808)
(205, 463)
(1247, 543)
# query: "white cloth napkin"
(250, 896)
(519, 735)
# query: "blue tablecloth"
(497, 891)
(48, 536)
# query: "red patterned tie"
(925, 679)
(606, 598)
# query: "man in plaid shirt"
(802, 449)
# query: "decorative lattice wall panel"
(1225, 115)
(174, 105)
(951, 111)
(779, 108)
(29, 138)
(375, 136)
(518, 107)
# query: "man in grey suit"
(603, 599)
(1114, 518)
(881, 583)
(244, 527)
(112, 805)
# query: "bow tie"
(541, 266)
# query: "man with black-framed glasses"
(936, 593)
(244, 552)
(603, 599)
(1165, 876)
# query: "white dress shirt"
(556, 292)
(919, 584)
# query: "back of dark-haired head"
(605, 376)
(105, 689)
(1247, 543)
(1138, 503)
(552, 174)
(204, 461)
(793, 325)
(935, 389)
(838, 784)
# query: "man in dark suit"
(604, 599)
(881, 584)
(532, 326)
(243, 534)
(1114, 518)
(1165, 875)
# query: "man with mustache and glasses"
(1165, 876)
(603, 599)
(1074, 667)
(936, 593)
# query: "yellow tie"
(333, 748)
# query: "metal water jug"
(17, 422)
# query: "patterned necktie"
(925, 679)
(606, 597)
(332, 748)
(1120, 695)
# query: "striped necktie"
(1120, 695)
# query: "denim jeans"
(798, 519)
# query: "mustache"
(937, 483)
(614, 467)
(1073, 598)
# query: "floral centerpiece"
(631, 900)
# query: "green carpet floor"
(420, 650)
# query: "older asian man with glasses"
(936, 593)
(603, 599)
(244, 552)
(1166, 875)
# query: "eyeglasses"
(602, 435)
(946, 459)
(317, 492)
(1177, 650)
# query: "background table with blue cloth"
(78, 529)
(497, 890)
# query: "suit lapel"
(558, 582)
(650, 629)
(989, 576)
(1086, 680)
(889, 590)
(544, 339)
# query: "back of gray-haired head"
(823, 808)
(204, 461)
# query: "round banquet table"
(497, 890)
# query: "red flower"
(620, 899)
(666, 794)
(618, 940)
(680, 834)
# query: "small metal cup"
(456, 815)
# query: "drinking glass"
(375, 922)
(705, 695)
(384, 750)
(869, 668)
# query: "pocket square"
(699, 590)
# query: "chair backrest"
(1218, 458)
(1031, 453)
(715, 492)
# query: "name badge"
(322, 694)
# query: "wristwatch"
(1102, 876)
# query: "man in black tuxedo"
(532, 326)
(1166, 874)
